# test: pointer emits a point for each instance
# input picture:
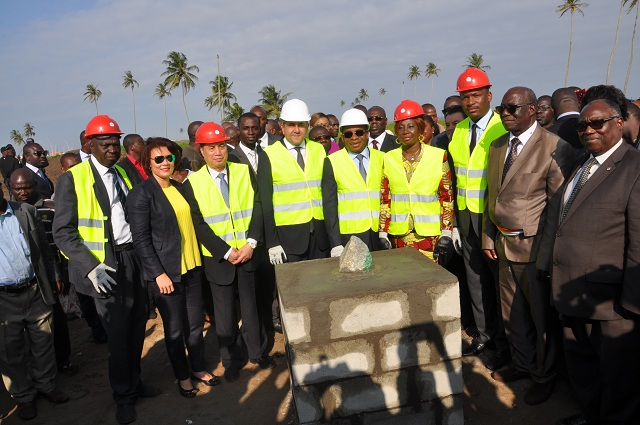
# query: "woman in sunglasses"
(165, 241)
(417, 196)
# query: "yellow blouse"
(189, 246)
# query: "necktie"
(253, 160)
(375, 144)
(576, 189)
(122, 197)
(472, 145)
(224, 188)
(363, 171)
(511, 156)
(43, 177)
(300, 159)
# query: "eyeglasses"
(349, 134)
(446, 111)
(160, 159)
(315, 139)
(581, 126)
(375, 118)
(40, 153)
(510, 108)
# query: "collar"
(482, 122)
(214, 174)
(603, 157)
(378, 139)
(525, 136)
(102, 170)
(9, 212)
(364, 153)
(264, 138)
(291, 146)
(32, 168)
(133, 160)
(246, 150)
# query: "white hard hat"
(295, 110)
(354, 117)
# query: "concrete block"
(447, 304)
(446, 411)
(404, 349)
(297, 324)
(307, 403)
(362, 315)
(441, 380)
(452, 340)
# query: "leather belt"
(123, 247)
(20, 287)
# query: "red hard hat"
(471, 79)
(209, 133)
(407, 109)
(101, 124)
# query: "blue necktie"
(224, 188)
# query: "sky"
(321, 52)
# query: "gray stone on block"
(356, 257)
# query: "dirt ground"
(258, 397)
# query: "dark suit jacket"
(43, 187)
(388, 143)
(196, 161)
(272, 138)
(217, 269)
(131, 170)
(42, 257)
(565, 127)
(521, 201)
(295, 238)
(595, 267)
(155, 231)
(67, 238)
(239, 156)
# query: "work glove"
(385, 243)
(336, 251)
(457, 242)
(102, 282)
(277, 255)
(444, 249)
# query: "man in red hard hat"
(91, 228)
(469, 151)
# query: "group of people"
(515, 200)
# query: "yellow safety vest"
(358, 202)
(419, 197)
(231, 224)
(90, 216)
(297, 196)
(471, 174)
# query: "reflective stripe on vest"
(358, 201)
(419, 197)
(297, 197)
(90, 216)
(230, 224)
(471, 173)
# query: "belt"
(123, 247)
(17, 287)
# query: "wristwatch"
(252, 245)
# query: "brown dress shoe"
(509, 374)
(27, 410)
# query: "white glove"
(102, 282)
(384, 240)
(277, 255)
(457, 242)
(336, 251)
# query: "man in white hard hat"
(289, 184)
(351, 186)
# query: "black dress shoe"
(209, 382)
(539, 392)
(474, 349)
(497, 360)
(126, 413)
(190, 393)
(27, 410)
(265, 362)
(277, 328)
(510, 374)
(231, 374)
(574, 420)
(56, 397)
(148, 391)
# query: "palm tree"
(162, 93)
(221, 96)
(475, 60)
(28, 130)
(92, 93)
(342, 103)
(180, 73)
(382, 92)
(572, 6)
(429, 72)
(615, 43)
(234, 112)
(16, 137)
(414, 73)
(363, 95)
(272, 100)
(636, 4)
(129, 81)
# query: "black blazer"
(43, 187)
(294, 239)
(131, 170)
(389, 142)
(42, 257)
(217, 269)
(155, 231)
(67, 238)
(565, 127)
(239, 156)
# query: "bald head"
(564, 100)
(23, 186)
(68, 160)
(192, 130)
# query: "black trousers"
(124, 317)
(183, 319)
(61, 340)
(313, 252)
(266, 292)
(229, 336)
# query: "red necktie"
(375, 144)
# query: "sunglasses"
(160, 159)
(322, 138)
(40, 153)
(349, 134)
(581, 126)
(511, 109)
(446, 111)
(371, 119)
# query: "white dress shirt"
(524, 138)
(119, 225)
